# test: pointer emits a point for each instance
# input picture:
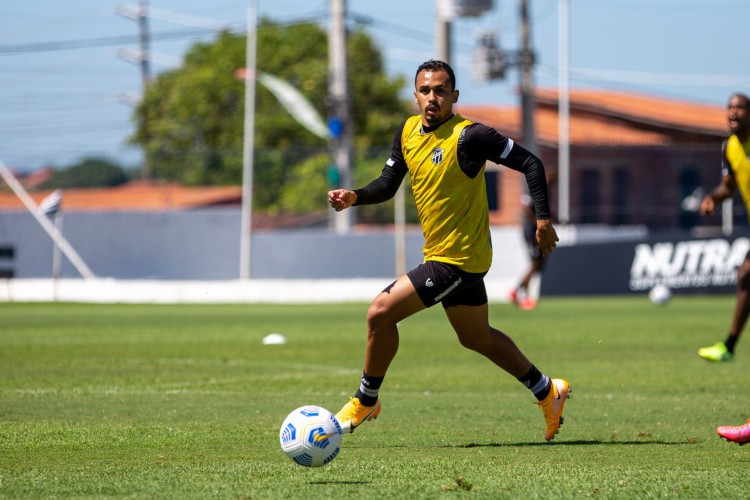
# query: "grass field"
(183, 401)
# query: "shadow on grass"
(591, 442)
(339, 482)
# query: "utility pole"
(526, 65)
(146, 173)
(491, 63)
(340, 121)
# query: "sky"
(68, 88)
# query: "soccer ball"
(311, 436)
(659, 295)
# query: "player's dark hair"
(436, 65)
(742, 96)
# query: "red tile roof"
(135, 196)
(599, 118)
(583, 130)
(647, 109)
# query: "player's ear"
(455, 95)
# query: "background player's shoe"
(716, 352)
(528, 304)
(353, 413)
(739, 434)
(552, 406)
(513, 297)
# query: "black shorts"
(440, 282)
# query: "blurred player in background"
(735, 175)
(522, 296)
(444, 156)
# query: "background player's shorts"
(529, 236)
(440, 282)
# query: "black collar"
(427, 130)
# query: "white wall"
(194, 256)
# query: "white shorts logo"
(448, 290)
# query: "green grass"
(183, 401)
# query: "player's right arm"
(379, 190)
(340, 199)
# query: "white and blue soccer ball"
(659, 295)
(311, 436)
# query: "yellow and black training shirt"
(446, 167)
(735, 161)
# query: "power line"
(9, 50)
(55, 46)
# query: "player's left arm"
(486, 143)
(546, 236)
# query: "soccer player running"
(445, 155)
(735, 174)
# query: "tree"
(196, 112)
(91, 172)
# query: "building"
(633, 158)
(633, 161)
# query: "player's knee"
(473, 342)
(377, 317)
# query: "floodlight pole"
(563, 100)
(444, 13)
(727, 214)
(340, 108)
(248, 150)
(400, 231)
(526, 67)
(146, 172)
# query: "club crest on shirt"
(437, 155)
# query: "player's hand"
(546, 236)
(707, 205)
(340, 199)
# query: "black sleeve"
(384, 187)
(482, 143)
(525, 162)
(479, 143)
